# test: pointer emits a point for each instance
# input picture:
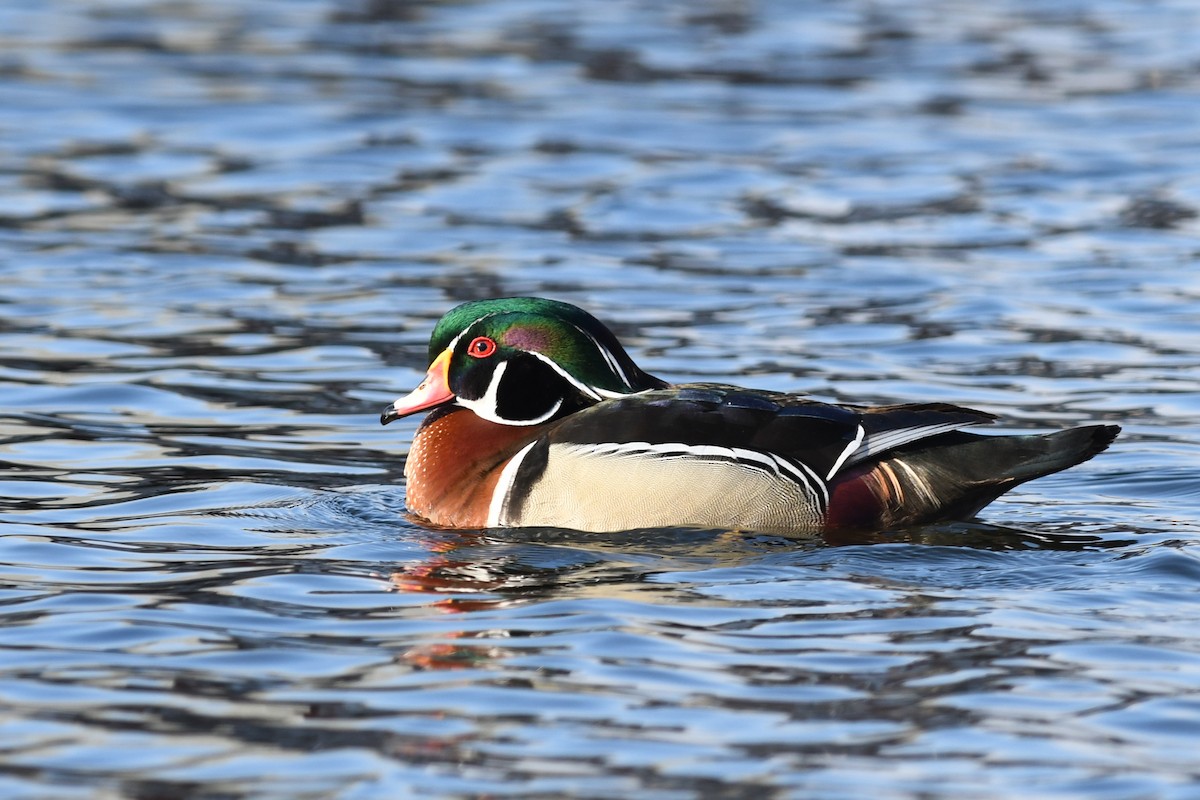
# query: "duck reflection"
(477, 572)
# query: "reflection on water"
(226, 231)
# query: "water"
(226, 230)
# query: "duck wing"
(824, 437)
(706, 455)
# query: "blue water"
(226, 230)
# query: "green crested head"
(527, 360)
(564, 334)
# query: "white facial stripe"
(454, 341)
(553, 410)
(504, 485)
(491, 396)
(588, 390)
(850, 448)
(485, 407)
(463, 332)
(613, 363)
(608, 356)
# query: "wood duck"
(538, 417)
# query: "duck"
(538, 417)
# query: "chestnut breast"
(455, 463)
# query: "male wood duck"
(538, 417)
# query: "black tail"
(955, 475)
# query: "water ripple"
(227, 229)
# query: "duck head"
(522, 361)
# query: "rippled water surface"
(226, 229)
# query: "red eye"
(481, 347)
